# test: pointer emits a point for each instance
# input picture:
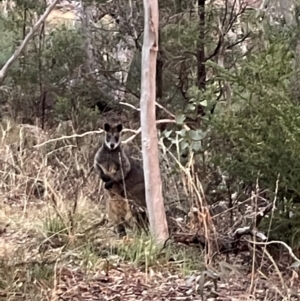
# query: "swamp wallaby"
(124, 180)
(132, 191)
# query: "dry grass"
(52, 218)
(56, 244)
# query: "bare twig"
(138, 109)
(139, 129)
(238, 233)
(15, 56)
(68, 137)
(135, 133)
(129, 105)
(159, 121)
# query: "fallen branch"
(17, 53)
(297, 260)
(232, 242)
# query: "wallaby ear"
(106, 127)
(119, 127)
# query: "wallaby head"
(112, 135)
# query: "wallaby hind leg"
(119, 213)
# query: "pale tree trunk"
(284, 8)
(288, 11)
(6, 6)
(226, 85)
(86, 15)
(239, 31)
(124, 54)
(153, 184)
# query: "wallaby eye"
(108, 137)
(116, 138)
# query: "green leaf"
(196, 146)
(197, 134)
(203, 103)
(167, 133)
(184, 144)
(180, 119)
(181, 133)
(191, 106)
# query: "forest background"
(227, 79)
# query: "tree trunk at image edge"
(201, 69)
(153, 184)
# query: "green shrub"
(257, 136)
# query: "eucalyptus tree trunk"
(289, 11)
(280, 8)
(6, 6)
(201, 68)
(287, 8)
(86, 17)
(124, 54)
(153, 183)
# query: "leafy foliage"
(256, 137)
(259, 132)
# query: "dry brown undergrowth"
(51, 217)
(56, 245)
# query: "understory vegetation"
(229, 163)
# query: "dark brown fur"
(134, 191)
(125, 204)
(134, 188)
(118, 211)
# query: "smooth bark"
(153, 184)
